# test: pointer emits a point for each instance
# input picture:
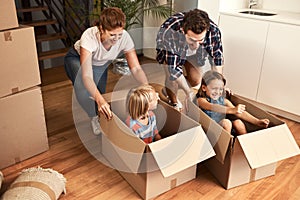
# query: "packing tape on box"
(7, 36)
(17, 159)
(39, 185)
(173, 183)
(14, 90)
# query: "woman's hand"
(104, 108)
(87, 77)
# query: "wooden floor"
(87, 178)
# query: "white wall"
(232, 4)
(284, 5)
(184, 5)
(211, 7)
(150, 29)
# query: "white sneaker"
(178, 106)
(96, 125)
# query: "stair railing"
(72, 16)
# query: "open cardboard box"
(162, 165)
(248, 157)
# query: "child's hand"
(157, 137)
(240, 108)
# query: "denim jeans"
(73, 70)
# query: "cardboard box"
(248, 157)
(19, 64)
(8, 15)
(162, 165)
(23, 130)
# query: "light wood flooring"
(87, 178)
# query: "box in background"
(22, 125)
(159, 166)
(19, 63)
(248, 157)
(8, 15)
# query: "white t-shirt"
(90, 41)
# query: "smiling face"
(112, 37)
(111, 24)
(194, 40)
(215, 89)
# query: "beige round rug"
(36, 184)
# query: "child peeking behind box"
(140, 103)
(211, 99)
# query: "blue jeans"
(73, 71)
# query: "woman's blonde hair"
(138, 101)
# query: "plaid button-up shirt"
(171, 46)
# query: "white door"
(243, 44)
(280, 82)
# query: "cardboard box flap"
(182, 150)
(268, 146)
(218, 137)
(126, 144)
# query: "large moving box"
(162, 165)
(8, 15)
(248, 157)
(19, 67)
(23, 130)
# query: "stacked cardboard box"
(8, 15)
(248, 157)
(22, 123)
(162, 165)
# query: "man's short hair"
(196, 20)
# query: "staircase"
(53, 31)
(51, 41)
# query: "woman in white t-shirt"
(87, 61)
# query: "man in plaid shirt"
(187, 38)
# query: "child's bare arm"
(229, 108)
(246, 116)
(238, 109)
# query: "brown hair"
(112, 18)
(207, 78)
(138, 101)
(196, 20)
